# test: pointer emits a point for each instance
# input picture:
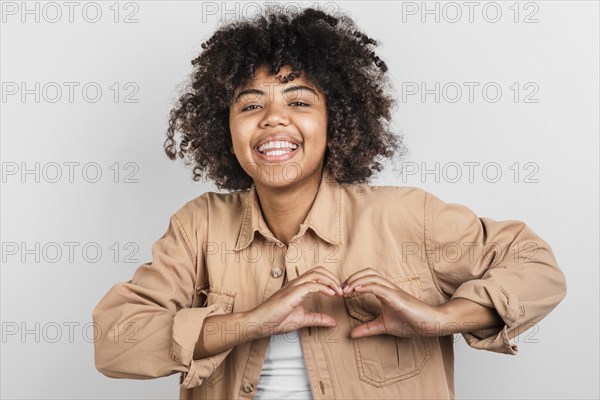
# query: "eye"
(300, 103)
(249, 107)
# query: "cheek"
(315, 127)
(320, 133)
(237, 137)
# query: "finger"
(327, 279)
(382, 292)
(317, 319)
(298, 293)
(312, 287)
(332, 285)
(362, 272)
(323, 270)
(316, 271)
(369, 279)
(370, 328)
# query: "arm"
(462, 315)
(500, 265)
(211, 341)
(404, 315)
(146, 328)
(278, 314)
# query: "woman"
(304, 281)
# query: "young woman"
(304, 281)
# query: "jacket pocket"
(386, 359)
(225, 298)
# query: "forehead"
(265, 82)
(264, 76)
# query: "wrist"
(253, 328)
(448, 321)
(462, 315)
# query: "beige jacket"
(211, 261)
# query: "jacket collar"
(324, 217)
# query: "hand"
(284, 312)
(401, 313)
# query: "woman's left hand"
(402, 314)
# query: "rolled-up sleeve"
(502, 265)
(145, 327)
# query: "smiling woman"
(263, 60)
(305, 281)
(279, 130)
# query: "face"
(279, 130)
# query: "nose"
(275, 114)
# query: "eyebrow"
(285, 91)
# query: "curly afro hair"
(335, 56)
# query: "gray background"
(551, 51)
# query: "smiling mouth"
(277, 148)
(277, 154)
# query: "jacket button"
(276, 272)
(248, 387)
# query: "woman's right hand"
(283, 311)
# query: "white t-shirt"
(283, 373)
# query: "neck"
(285, 209)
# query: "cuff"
(187, 325)
(498, 343)
(505, 303)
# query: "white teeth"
(275, 153)
(277, 145)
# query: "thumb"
(317, 319)
(370, 328)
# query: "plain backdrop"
(503, 96)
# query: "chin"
(277, 180)
(281, 176)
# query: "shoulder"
(200, 210)
(385, 195)
(384, 204)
